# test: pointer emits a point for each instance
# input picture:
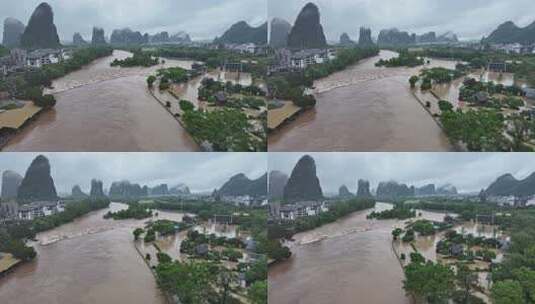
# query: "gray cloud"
(469, 172)
(469, 19)
(202, 19)
(200, 171)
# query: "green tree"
(519, 131)
(526, 278)
(257, 272)
(137, 232)
(150, 81)
(163, 257)
(507, 292)
(417, 258)
(46, 101)
(396, 233)
(465, 279)
(190, 281)
(445, 106)
(433, 282)
(413, 80)
(186, 106)
(225, 129)
(257, 293)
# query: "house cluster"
(288, 61)
(514, 201)
(244, 200)
(296, 210)
(28, 212)
(40, 209)
(247, 48)
(514, 48)
(15, 61)
(19, 59)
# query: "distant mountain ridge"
(240, 185)
(242, 32)
(509, 32)
(508, 185)
(393, 190)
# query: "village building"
(242, 200)
(16, 60)
(40, 209)
(304, 58)
(302, 209)
(42, 57)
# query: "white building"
(304, 58)
(302, 209)
(40, 209)
(243, 200)
(39, 58)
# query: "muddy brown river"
(365, 108)
(355, 263)
(95, 262)
(103, 108)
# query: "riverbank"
(169, 108)
(102, 108)
(8, 263)
(355, 254)
(86, 265)
(364, 108)
(278, 117)
(15, 121)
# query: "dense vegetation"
(431, 281)
(224, 129)
(336, 211)
(171, 75)
(480, 130)
(472, 87)
(466, 210)
(204, 278)
(216, 58)
(523, 66)
(292, 86)
(209, 87)
(138, 59)
(12, 236)
(398, 212)
(29, 85)
(512, 278)
(404, 59)
(134, 211)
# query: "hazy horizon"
(202, 20)
(201, 172)
(469, 172)
(470, 20)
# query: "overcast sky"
(202, 19)
(470, 19)
(469, 172)
(202, 172)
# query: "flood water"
(96, 262)
(365, 108)
(103, 108)
(355, 263)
